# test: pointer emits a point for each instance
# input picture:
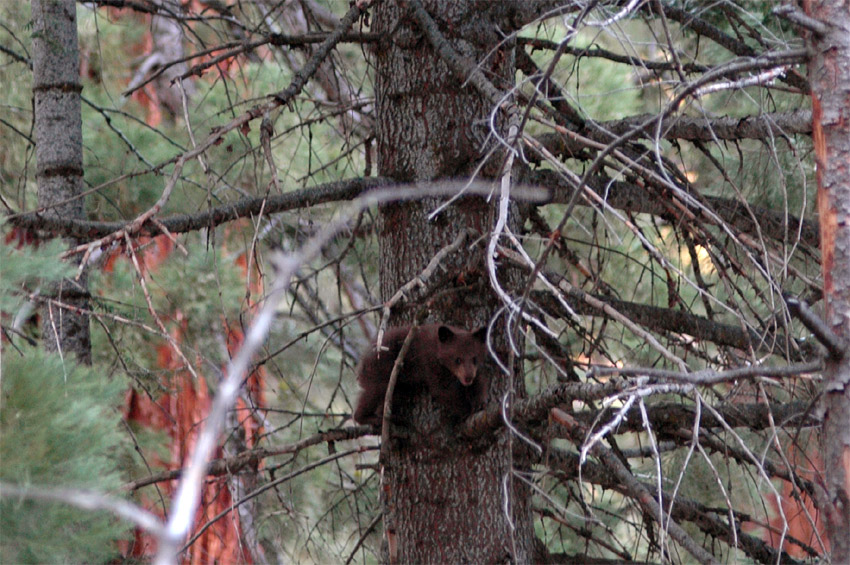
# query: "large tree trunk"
(445, 497)
(829, 75)
(59, 156)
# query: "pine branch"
(701, 128)
(632, 198)
(252, 458)
(182, 223)
(669, 417)
(708, 377)
(703, 28)
(675, 321)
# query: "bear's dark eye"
(475, 360)
(458, 361)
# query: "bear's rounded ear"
(480, 334)
(445, 333)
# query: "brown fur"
(442, 359)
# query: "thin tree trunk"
(59, 156)
(446, 500)
(167, 35)
(829, 75)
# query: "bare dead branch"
(632, 198)
(704, 128)
(369, 529)
(669, 418)
(671, 320)
(87, 500)
(253, 457)
(302, 76)
(797, 17)
(246, 207)
(700, 26)
(532, 409)
(636, 490)
(537, 43)
(270, 485)
(709, 377)
(236, 48)
(682, 509)
(835, 346)
(464, 69)
(388, 397)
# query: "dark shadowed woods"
(212, 208)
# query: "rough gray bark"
(829, 75)
(59, 155)
(445, 499)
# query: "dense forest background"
(211, 208)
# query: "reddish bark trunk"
(829, 75)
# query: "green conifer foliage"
(59, 427)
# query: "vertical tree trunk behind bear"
(829, 76)
(59, 157)
(445, 499)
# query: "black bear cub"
(441, 359)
